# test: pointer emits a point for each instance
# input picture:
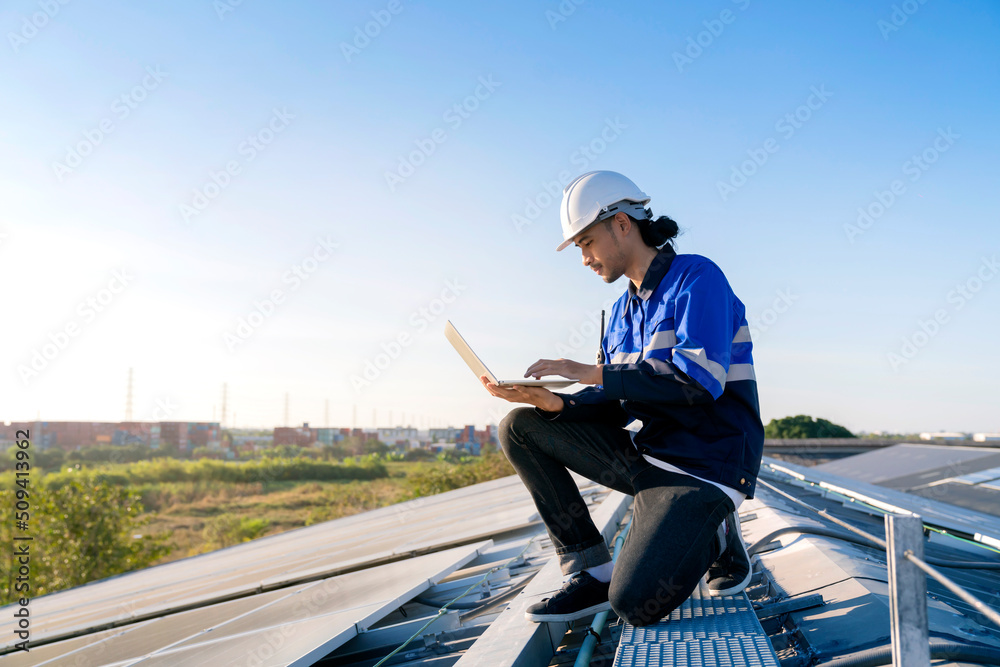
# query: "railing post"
(907, 591)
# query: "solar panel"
(283, 625)
(350, 542)
(909, 460)
(979, 477)
(367, 565)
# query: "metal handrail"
(968, 597)
(910, 645)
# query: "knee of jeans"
(645, 602)
(512, 423)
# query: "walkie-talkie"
(600, 346)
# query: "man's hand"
(574, 370)
(540, 397)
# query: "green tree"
(804, 426)
(83, 531)
(47, 459)
(129, 453)
(375, 447)
(50, 459)
(419, 454)
(284, 452)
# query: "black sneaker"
(731, 571)
(581, 596)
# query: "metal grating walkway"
(705, 631)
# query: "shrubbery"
(82, 531)
(210, 470)
(479, 469)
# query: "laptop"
(479, 368)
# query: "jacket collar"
(654, 274)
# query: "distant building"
(186, 436)
(986, 437)
(399, 436)
(303, 436)
(70, 435)
(472, 440)
(329, 436)
(245, 443)
(944, 435)
(74, 435)
(442, 435)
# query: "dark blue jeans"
(672, 541)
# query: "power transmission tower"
(224, 392)
(326, 413)
(128, 398)
(286, 408)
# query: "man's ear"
(622, 223)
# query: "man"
(672, 419)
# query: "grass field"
(204, 516)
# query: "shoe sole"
(733, 590)
(738, 588)
(576, 615)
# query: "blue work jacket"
(678, 355)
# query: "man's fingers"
(533, 368)
(540, 368)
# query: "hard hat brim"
(568, 242)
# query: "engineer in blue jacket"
(671, 417)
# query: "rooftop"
(452, 573)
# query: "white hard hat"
(595, 196)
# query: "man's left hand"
(574, 370)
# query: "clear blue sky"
(115, 118)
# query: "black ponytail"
(656, 232)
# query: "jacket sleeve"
(686, 365)
(590, 404)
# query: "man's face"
(602, 251)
